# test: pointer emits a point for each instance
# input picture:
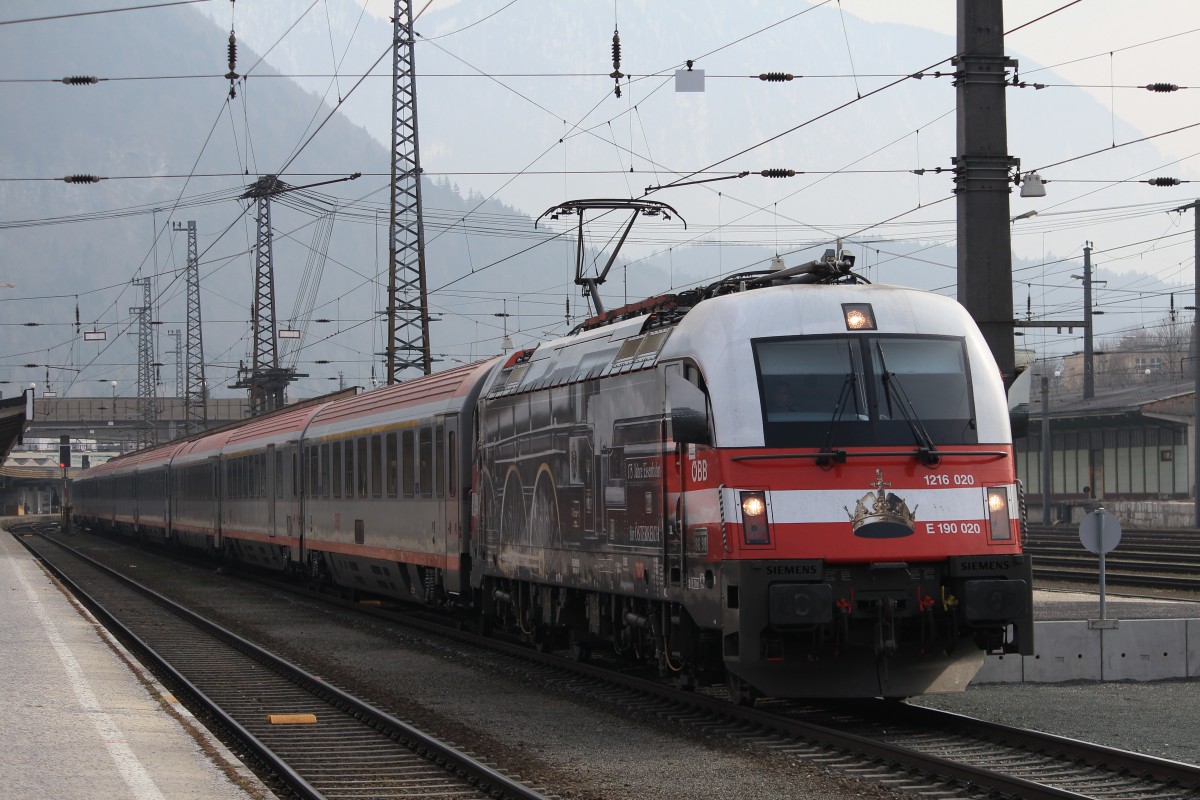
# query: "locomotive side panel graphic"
(572, 482)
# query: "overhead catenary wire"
(464, 226)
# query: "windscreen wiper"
(893, 391)
(849, 387)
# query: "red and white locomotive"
(802, 484)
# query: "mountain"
(66, 245)
(517, 114)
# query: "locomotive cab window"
(864, 389)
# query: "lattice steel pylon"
(265, 379)
(195, 398)
(147, 435)
(177, 335)
(408, 304)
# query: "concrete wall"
(1131, 513)
(1102, 650)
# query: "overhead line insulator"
(232, 74)
(776, 77)
(82, 179)
(1162, 87)
(778, 173)
(1164, 181)
(616, 53)
(80, 80)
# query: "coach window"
(451, 464)
(348, 473)
(393, 465)
(439, 470)
(313, 475)
(362, 467)
(323, 471)
(337, 469)
(263, 486)
(407, 455)
(376, 466)
(295, 474)
(426, 455)
(278, 474)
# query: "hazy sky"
(532, 140)
(1104, 47)
(1077, 42)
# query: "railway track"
(308, 738)
(914, 750)
(1157, 559)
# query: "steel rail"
(683, 704)
(492, 782)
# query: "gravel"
(1158, 718)
(567, 746)
(578, 749)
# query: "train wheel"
(740, 692)
(580, 647)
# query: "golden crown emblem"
(880, 514)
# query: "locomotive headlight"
(997, 502)
(753, 505)
(754, 518)
(859, 316)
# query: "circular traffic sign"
(1100, 531)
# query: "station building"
(1127, 448)
(98, 428)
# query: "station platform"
(80, 718)
(1139, 639)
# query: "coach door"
(687, 418)
(290, 493)
(449, 491)
(274, 485)
(674, 485)
(217, 491)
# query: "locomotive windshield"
(842, 391)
